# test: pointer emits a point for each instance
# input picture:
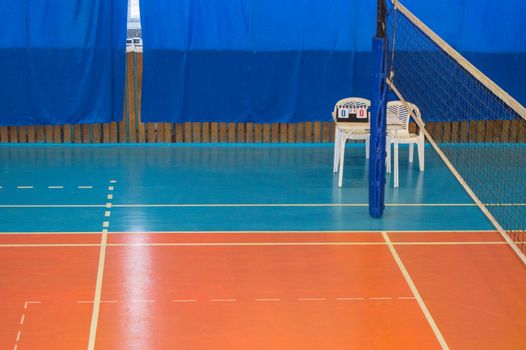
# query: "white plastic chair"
(346, 131)
(397, 113)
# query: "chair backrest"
(351, 102)
(397, 113)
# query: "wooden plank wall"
(132, 130)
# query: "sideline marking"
(98, 286)
(415, 292)
(244, 244)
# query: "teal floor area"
(220, 188)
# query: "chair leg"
(396, 164)
(421, 154)
(367, 149)
(411, 152)
(388, 156)
(343, 140)
(336, 151)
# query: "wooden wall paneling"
(291, 132)
(258, 132)
(275, 132)
(96, 133)
(214, 132)
(106, 133)
(187, 132)
(231, 132)
(49, 133)
(196, 132)
(22, 134)
(40, 133)
(86, 133)
(13, 134)
(317, 132)
(179, 132)
(241, 133)
(283, 133)
(113, 132)
(300, 132)
(266, 133)
(308, 132)
(138, 69)
(31, 134)
(325, 134)
(131, 107)
(167, 133)
(4, 134)
(151, 132)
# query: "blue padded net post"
(378, 130)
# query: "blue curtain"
(253, 60)
(489, 33)
(62, 61)
(291, 60)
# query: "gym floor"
(237, 246)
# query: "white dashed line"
(113, 181)
(110, 188)
(85, 187)
(184, 301)
(25, 187)
(144, 301)
(107, 213)
(110, 196)
(22, 319)
(91, 301)
(267, 299)
(223, 300)
(312, 299)
(350, 299)
(381, 298)
(106, 224)
(55, 187)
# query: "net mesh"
(483, 137)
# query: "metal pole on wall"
(378, 117)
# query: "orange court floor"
(311, 290)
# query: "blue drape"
(489, 33)
(291, 60)
(62, 61)
(253, 60)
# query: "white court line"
(380, 298)
(51, 206)
(415, 292)
(98, 292)
(98, 286)
(92, 301)
(349, 232)
(246, 244)
(262, 205)
(27, 303)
